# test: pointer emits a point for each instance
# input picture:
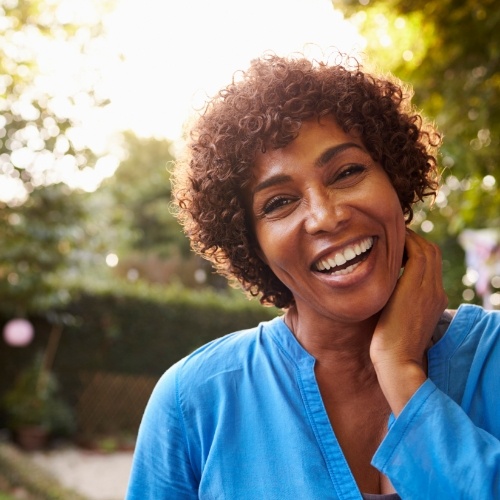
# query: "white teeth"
(340, 259)
(350, 253)
(347, 270)
(346, 255)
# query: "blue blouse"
(242, 418)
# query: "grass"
(8, 491)
(19, 473)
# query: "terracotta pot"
(32, 437)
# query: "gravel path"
(98, 476)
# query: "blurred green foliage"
(50, 233)
(39, 124)
(133, 329)
(141, 189)
(47, 242)
(158, 324)
(34, 400)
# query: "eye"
(350, 172)
(275, 203)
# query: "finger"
(427, 255)
(416, 260)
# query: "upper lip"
(329, 253)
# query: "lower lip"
(358, 274)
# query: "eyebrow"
(330, 153)
(323, 159)
(272, 181)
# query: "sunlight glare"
(182, 52)
(155, 64)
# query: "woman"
(298, 185)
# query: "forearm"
(399, 382)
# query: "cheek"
(261, 255)
(278, 249)
(392, 217)
(399, 237)
(266, 246)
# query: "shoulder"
(228, 354)
(231, 350)
(477, 319)
(466, 358)
(467, 329)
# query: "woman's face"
(328, 223)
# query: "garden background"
(90, 254)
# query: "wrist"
(399, 381)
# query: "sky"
(177, 53)
(158, 61)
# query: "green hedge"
(146, 331)
(133, 330)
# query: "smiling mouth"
(347, 260)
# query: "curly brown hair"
(263, 108)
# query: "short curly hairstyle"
(263, 109)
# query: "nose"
(325, 212)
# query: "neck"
(341, 349)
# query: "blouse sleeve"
(161, 467)
(434, 450)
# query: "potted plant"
(34, 408)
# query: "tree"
(157, 251)
(39, 242)
(48, 225)
(449, 51)
(141, 190)
(457, 82)
(43, 141)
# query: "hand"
(407, 322)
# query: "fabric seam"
(181, 417)
(311, 420)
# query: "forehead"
(314, 138)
